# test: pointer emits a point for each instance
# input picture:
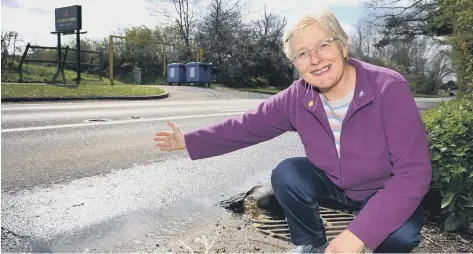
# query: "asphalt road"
(73, 185)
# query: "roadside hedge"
(449, 128)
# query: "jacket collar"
(363, 92)
(362, 96)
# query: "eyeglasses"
(322, 48)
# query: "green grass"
(262, 90)
(265, 90)
(44, 74)
(83, 90)
(91, 85)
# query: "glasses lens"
(324, 47)
(304, 55)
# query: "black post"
(78, 56)
(100, 64)
(20, 67)
(59, 59)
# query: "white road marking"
(61, 126)
(231, 110)
(114, 105)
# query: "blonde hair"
(325, 19)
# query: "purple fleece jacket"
(384, 145)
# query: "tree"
(244, 54)
(402, 19)
(272, 63)
(8, 38)
(440, 69)
(217, 34)
(362, 43)
(458, 14)
(439, 19)
(6, 41)
(423, 61)
(182, 14)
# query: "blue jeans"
(299, 188)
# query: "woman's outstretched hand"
(170, 140)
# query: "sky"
(34, 19)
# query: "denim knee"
(291, 179)
(400, 242)
(286, 174)
(406, 238)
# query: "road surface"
(86, 177)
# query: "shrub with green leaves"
(450, 133)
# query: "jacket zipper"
(340, 156)
(336, 152)
(344, 122)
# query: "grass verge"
(37, 86)
(262, 90)
(265, 90)
(35, 73)
(83, 90)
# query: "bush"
(450, 134)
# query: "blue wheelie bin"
(199, 73)
(176, 73)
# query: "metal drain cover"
(276, 226)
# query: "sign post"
(69, 21)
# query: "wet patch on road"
(136, 208)
(140, 231)
(12, 242)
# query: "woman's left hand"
(345, 242)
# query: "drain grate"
(276, 225)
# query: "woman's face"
(322, 67)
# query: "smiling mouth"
(321, 71)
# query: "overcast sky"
(34, 19)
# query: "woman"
(364, 139)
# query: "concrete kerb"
(26, 99)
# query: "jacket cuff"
(362, 229)
(191, 139)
